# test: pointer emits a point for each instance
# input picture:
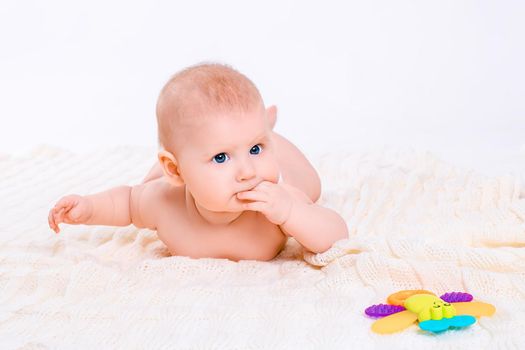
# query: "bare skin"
(232, 206)
(295, 168)
(253, 232)
(250, 237)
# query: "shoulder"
(149, 200)
(295, 168)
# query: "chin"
(230, 207)
(235, 205)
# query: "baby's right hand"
(72, 209)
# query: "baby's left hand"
(271, 199)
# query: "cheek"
(270, 170)
(210, 188)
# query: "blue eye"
(220, 158)
(256, 149)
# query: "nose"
(246, 170)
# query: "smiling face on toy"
(429, 307)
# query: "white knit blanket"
(415, 222)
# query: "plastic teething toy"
(435, 314)
(400, 297)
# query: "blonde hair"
(194, 93)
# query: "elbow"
(321, 247)
(120, 198)
(126, 219)
(134, 209)
(338, 233)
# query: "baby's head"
(215, 135)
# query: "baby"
(225, 186)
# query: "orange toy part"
(399, 298)
(474, 308)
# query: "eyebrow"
(228, 147)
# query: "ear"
(170, 167)
(271, 114)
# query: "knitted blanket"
(415, 222)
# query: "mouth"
(247, 189)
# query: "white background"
(443, 76)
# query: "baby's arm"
(313, 226)
(118, 206)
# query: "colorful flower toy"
(451, 310)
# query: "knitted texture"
(415, 222)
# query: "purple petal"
(382, 310)
(456, 297)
